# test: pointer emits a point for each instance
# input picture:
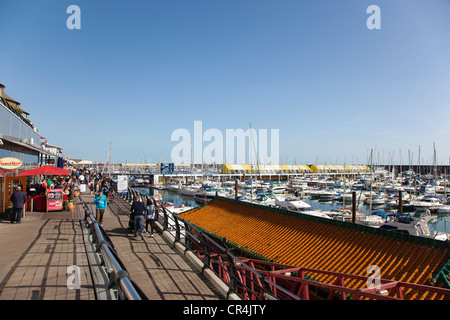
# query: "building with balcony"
(20, 139)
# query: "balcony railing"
(17, 113)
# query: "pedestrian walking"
(100, 206)
(18, 198)
(150, 215)
(137, 210)
(105, 188)
(97, 187)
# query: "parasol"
(45, 171)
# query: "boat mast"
(435, 169)
(371, 177)
(251, 166)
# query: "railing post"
(267, 291)
(166, 218)
(187, 237)
(177, 229)
(232, 273)
(207, 252)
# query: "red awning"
(41, 137)
(46, 171)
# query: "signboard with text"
(122, 184)
(54, 200)
(9, 163)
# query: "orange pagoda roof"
(313, 242)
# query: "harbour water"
(439, 223)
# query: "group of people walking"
(141, 212)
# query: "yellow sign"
(10, 163)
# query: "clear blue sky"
(138, 70)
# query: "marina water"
(439, 223)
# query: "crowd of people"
(101, 187)
(94, 180)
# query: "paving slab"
(37, 254)
(153, 263)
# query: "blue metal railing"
(240, 278)
(119, 279)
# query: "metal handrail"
(119, 279)
(247, 285)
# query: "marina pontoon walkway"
(38, 256)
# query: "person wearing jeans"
(18, 198)
(137, 209)
(150, 215)
(101, 203)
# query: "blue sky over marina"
(138, 70)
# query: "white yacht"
(327, 194)
(372, 221)
(377, 201)
(444, 209)
(299, 206)
(417, 227)
(427, 202)
(277, 187)
(190, 190)
(344, 214)
(180, 209)
(206, 193)
(173, 186)
(265, 199)
(348, 196)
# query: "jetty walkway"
(39, 256)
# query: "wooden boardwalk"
(37, 253)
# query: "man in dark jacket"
(137, 211)
(18, 198)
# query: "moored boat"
(427, 202)
(417, 227)
(444, 209)
(299, 206)
(372, 221)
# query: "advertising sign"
(122, 184)
(10, 163)
(54, 200)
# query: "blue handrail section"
(241, 279)
(119, 279)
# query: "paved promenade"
(160, 271)
(37, 253)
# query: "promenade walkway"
(159, 270)
(36, 256)
(37, 253)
